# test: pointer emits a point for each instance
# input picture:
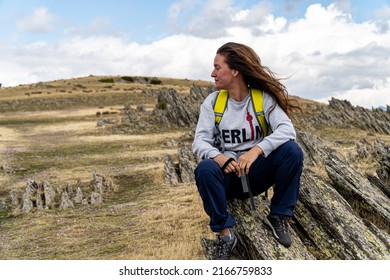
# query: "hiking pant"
(282, 168)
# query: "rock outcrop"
(342, 113)
(183, 171)
(357, 190)
(173, 109)
(42, 196)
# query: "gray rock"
(50, 195)
(187, 164)
(29, 196)
(174, 110)
(357, 190)
(171, 171)
(14, 198)
(66, 202)
(98, 182)
(96, 198)
(332, 227)
(79, 195)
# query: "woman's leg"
(283, 167)
(212, 187)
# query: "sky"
(321, 49)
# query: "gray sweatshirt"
(240, 131)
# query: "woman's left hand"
(245, 161)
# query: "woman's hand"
(245, 161)
(232, 166)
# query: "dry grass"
(159, 223)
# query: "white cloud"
(323, 54)
(40, 21)
(175, 56)
(366, 97)
(213, 19)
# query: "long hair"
(245, 60)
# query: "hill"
(108, 137)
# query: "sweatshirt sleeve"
(282, 129)
(203, 140)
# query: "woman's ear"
(235, 73)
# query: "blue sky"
(144, 21)
(327, 48)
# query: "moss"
(4, 215)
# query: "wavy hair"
(245, 60)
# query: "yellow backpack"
(257, 101)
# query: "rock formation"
(42, 196)
(342, 113)
(172, 109)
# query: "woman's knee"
(205, 168)
(293, 151)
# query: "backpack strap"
(220, 105)
(219, 109)
(257, 101)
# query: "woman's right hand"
(221, 159)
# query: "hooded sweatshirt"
(240, 128)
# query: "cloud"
(179, 56)
(383, 13)
(366, 97)
(215, 17)
(343, 5)
(327, 54)
(323, 54)
(180, 7)
(40, 21)
(290, 5)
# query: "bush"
(107, 80)
(128, 79)
(162, 105)
(155, 81)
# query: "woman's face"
(222, 74)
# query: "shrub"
(128, 79)
(155, 81)
(162, 105)
(107, 80)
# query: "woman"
(267, 159)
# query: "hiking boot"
(280, 229)
(223, 249)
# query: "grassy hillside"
(49, 132)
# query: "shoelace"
(222, 247)
(282, 224)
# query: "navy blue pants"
(282, 168)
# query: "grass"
(144, 224)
